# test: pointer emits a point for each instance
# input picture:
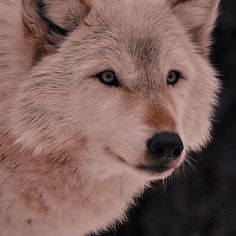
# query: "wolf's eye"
(173, 77)
(109, 78)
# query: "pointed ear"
(199, 17)
(48, 22)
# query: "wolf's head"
(117, 85)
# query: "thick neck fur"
(38, 192)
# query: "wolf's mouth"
(154, 169)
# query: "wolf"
(98, 98)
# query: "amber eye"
(109, 78)
(173, 77)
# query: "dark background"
(203, 202)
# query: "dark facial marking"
(51, 25)
(176, 2)
(16, 166)
(144, 51)
(3, 156)
(29, 221)
(159, 117)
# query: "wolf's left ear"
(48, 22)
(199, 17)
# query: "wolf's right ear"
(48, 22)
(198, 17)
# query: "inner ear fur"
(48, 22)
(198, 17)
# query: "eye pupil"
(173, 77)
(108, 78)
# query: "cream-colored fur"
(69, 145)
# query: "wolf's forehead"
(144, 51)
(139, 28)
(144, 47)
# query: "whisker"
(183, 168)
(192, 159)
(163, 185)
(192, 166)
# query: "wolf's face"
(128, 89)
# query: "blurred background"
(203, 202)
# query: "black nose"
(165, 145)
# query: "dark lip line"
(119, 158)
(157, 168)
(148, 168)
